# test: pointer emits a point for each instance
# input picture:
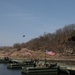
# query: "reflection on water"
(5, 71)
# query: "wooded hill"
(62, 42)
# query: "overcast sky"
(32, 18)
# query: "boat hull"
(40, 71)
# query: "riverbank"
(20, 54)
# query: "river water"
(5, 71)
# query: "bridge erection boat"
(19, 65)
(51, 70)
(5, 60)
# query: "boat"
(14, 66)
(19, 65)
(5, 60)
(51, 70)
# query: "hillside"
(62, 42)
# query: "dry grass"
(35, 54)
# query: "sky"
(33, 18)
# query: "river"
(5, 71)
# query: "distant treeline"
(61, 41)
